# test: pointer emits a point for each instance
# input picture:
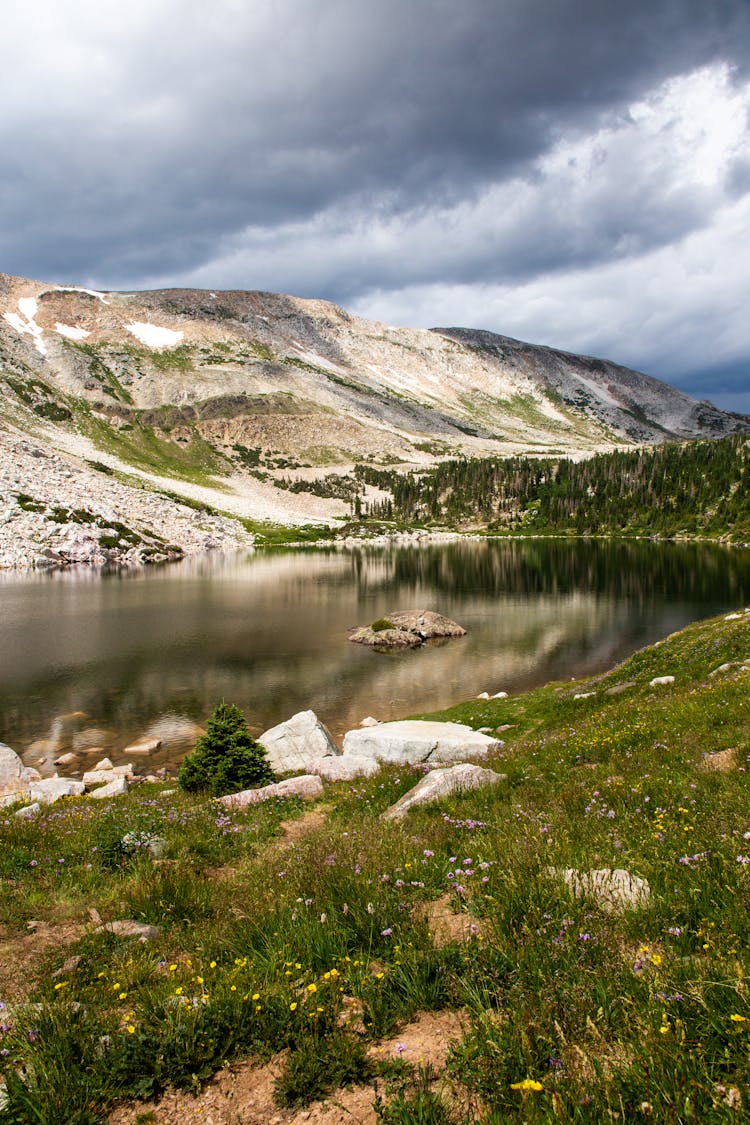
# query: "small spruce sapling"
(226, 758)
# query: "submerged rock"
(406, 629)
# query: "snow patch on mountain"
(25, 323)
(153, 336)
(70, 332)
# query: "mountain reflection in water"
(269, 631)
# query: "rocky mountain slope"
(232, 400)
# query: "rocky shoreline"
(55, 512)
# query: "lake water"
(269, 632)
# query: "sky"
(569, 172)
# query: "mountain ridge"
(233, 399)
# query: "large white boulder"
(412, 741)
(308, 787)
(443, 783)
(292, 745)
(51, 789)
(15, 777)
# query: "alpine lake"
(99, 660)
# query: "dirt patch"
(723, 761)
(24, 959)
(294, 830)
(243, 1094)
(447, 926)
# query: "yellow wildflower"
(527, 1084)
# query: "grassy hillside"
(325, 948)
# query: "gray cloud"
(356, 150)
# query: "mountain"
(229, 399)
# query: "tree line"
(693, 488)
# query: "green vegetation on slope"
(575, 1012)
(139, 445)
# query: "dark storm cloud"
(400, 156)
(136, 140)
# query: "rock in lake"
(411, 741)
(143, 746)
(292, 745)
(406, 628)
(443, 783)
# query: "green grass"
(141, 446)
(574, 1013)
(269, 534)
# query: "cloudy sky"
(570, 172)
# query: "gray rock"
(116, 788)
(618, 689)
(612, 887)
(443, 783)
(104, 764)
(14, 775)
(344, 767)
(411, 741)
(292, 745)
(308, 787)
(127, 928)
(103, 777)
(51, 789)
(28, 812)
(369, 722)
(661, 680)
(156, 846)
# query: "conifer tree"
(226, 758)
